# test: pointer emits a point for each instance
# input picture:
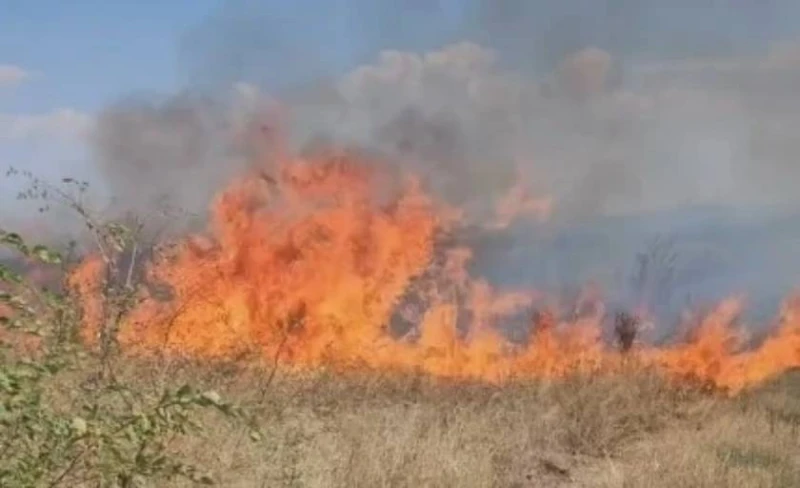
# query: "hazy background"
(639, 118)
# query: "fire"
(36, 276)
(326, 262)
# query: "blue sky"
(78, 57)
(84, 54)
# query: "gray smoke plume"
(636, 117)
(153, 152)
(168, 157)
(596, 118)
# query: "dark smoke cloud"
(596, 146)
(154, 151)
(553, 86)
(615, 107)
(167, 157)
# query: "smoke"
(481, 92)
(149, 152)
(618, 110)
(596, 145)
(166, 158)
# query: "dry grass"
(749, 442)
(627, 431)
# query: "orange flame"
(316, 265)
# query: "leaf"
(184, 391)
(206, 480)
(46, 255)
(143, 423)
(12, 239)
(79, 425)
(9, 276)
(212, 397)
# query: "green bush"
(102, 431)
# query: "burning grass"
(317, 265)
(337, 306)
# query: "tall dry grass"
(373, 430)
(633, 430)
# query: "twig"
(132, 264)
(69, 468)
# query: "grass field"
(73, 426)
(371, 431)
(83, 413)
(131, 426)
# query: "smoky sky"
(284, 43)
(303, 53)
(610, 107)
